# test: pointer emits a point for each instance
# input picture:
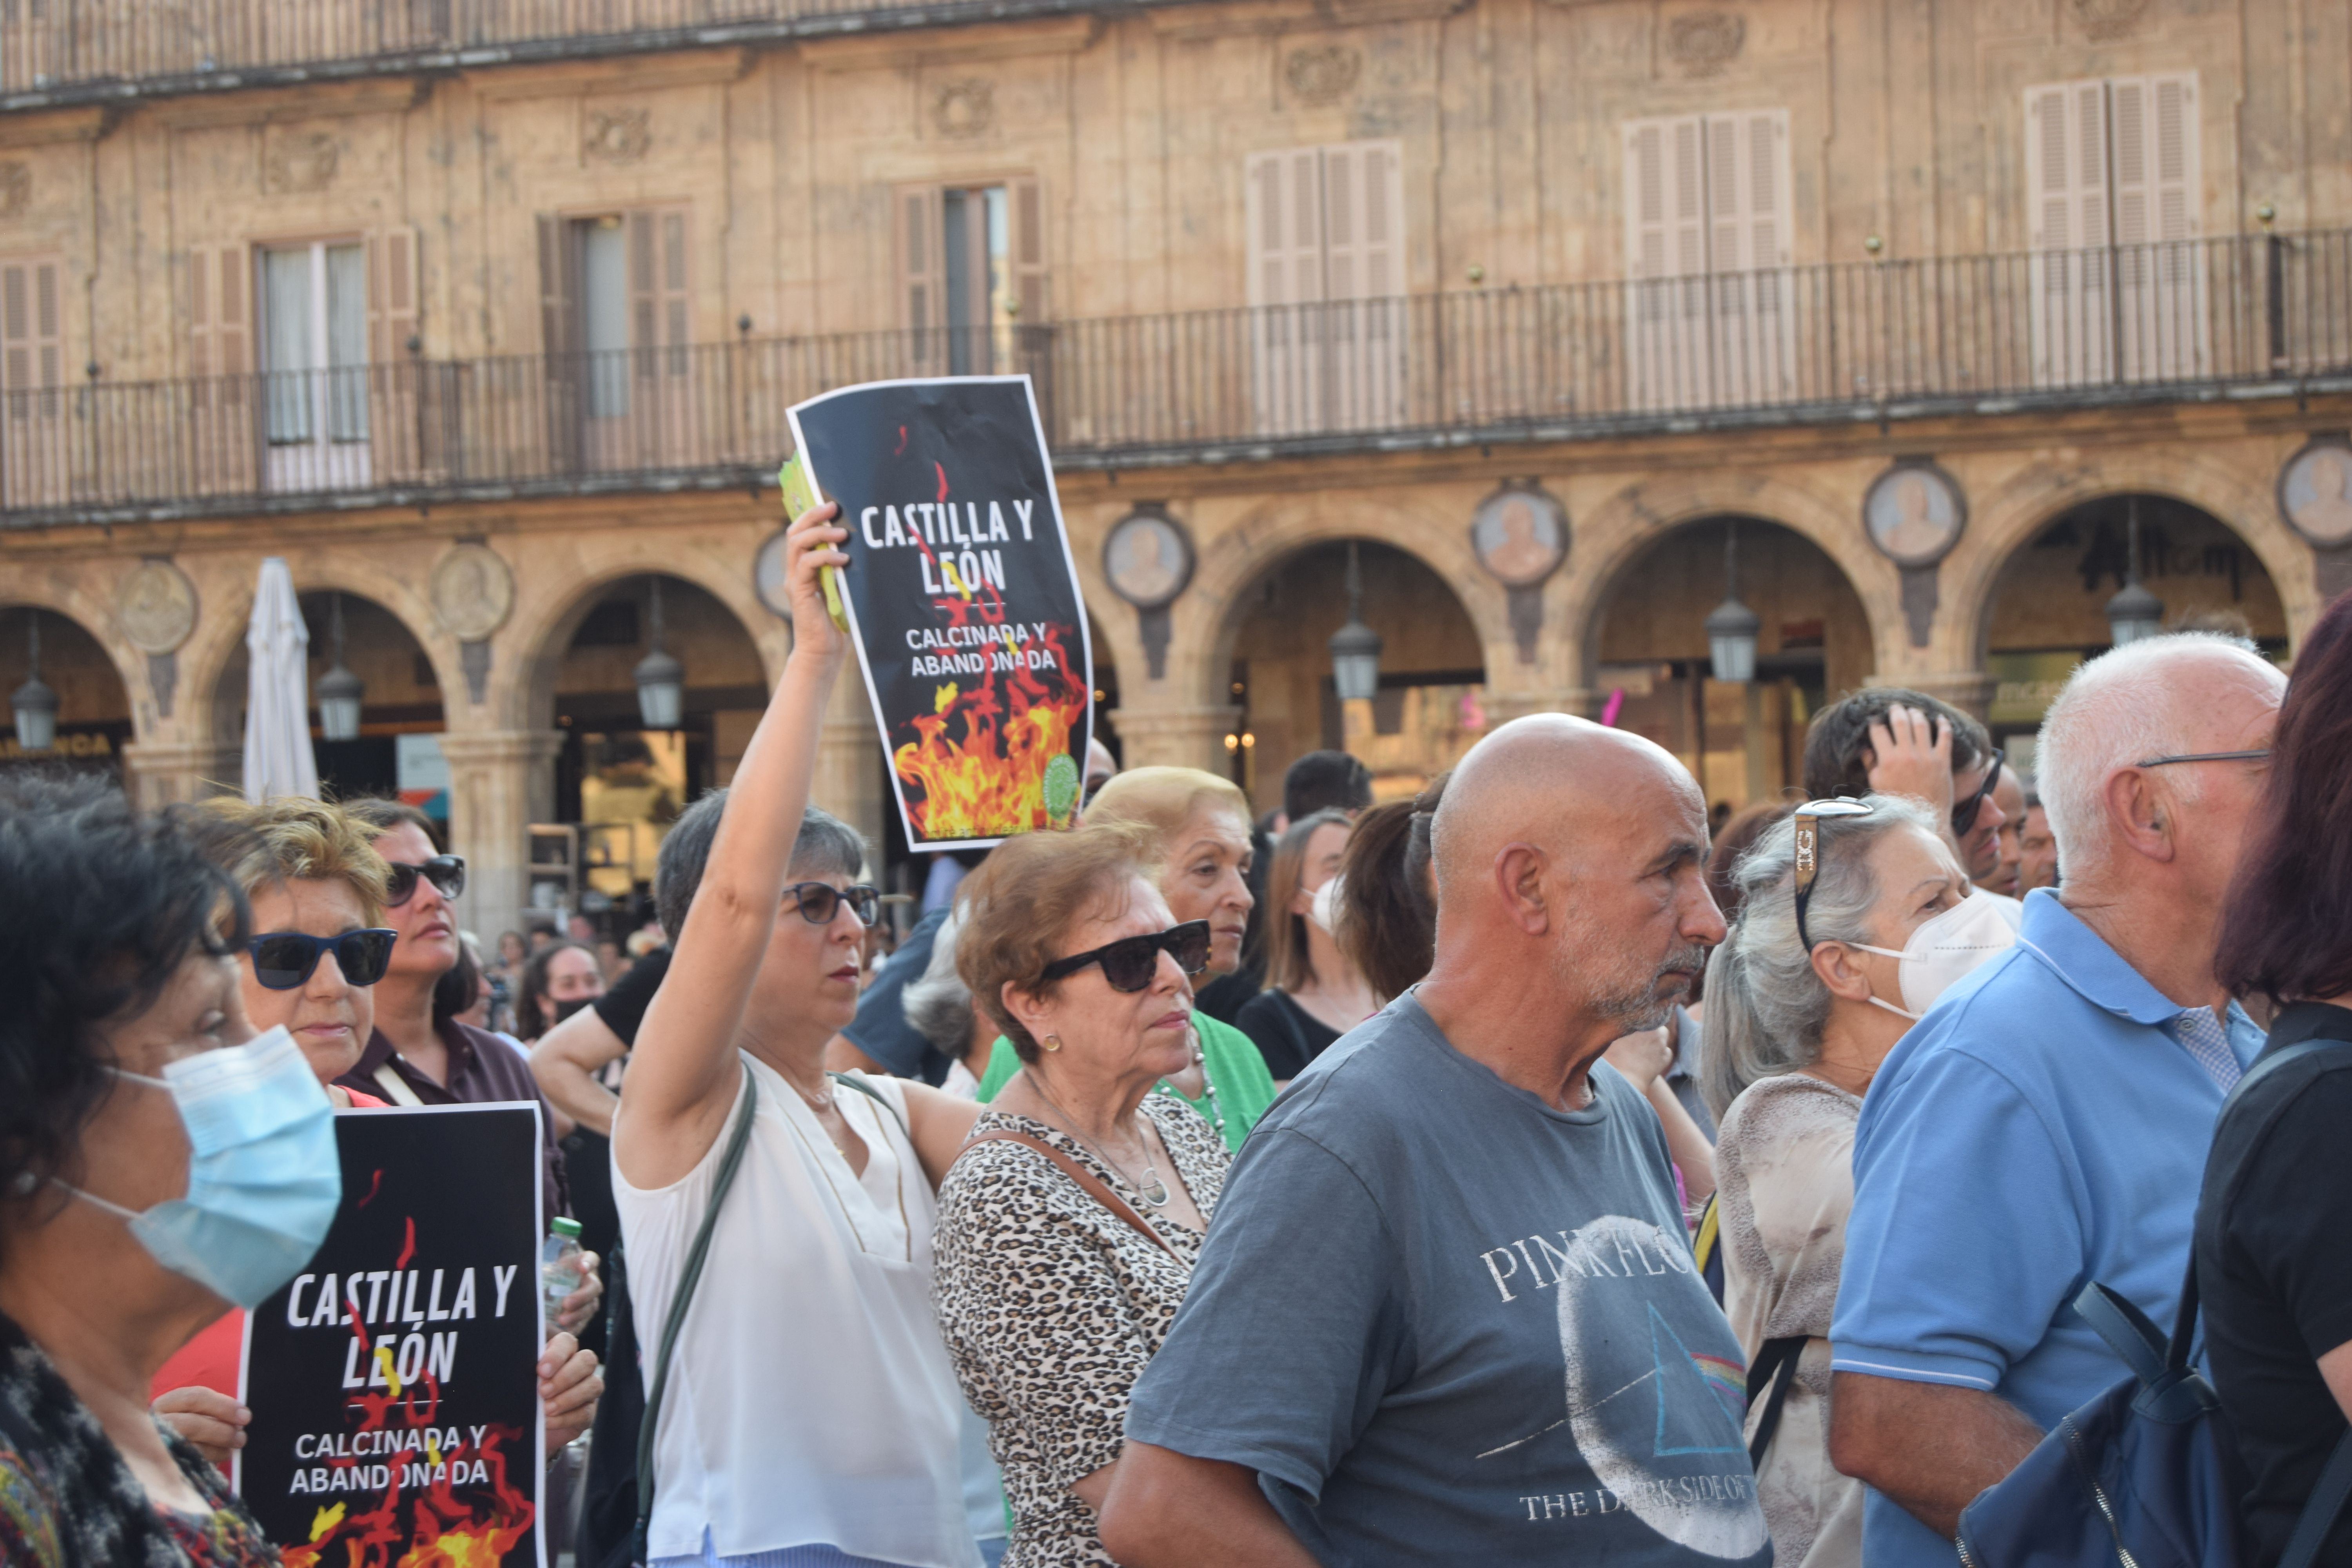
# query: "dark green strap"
(729, 1163)
(870, 1092)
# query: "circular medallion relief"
(1913, 513)
(768, 577)
(1520, 534)
(2314, 492)
(473, 592)
(1148, 559)
(157, 607)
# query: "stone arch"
(1208, 617)
(1624, 528)
(2016, 512)
(70, 597)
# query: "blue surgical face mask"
(263, 1179)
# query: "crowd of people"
(1530, 1168)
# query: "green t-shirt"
(1240, 1088)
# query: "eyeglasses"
(819, 901)
(445, 872)
(283, 960)
(2263, 755)
(1129, 962)
(1809, 818)
(1964, 815)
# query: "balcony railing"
(1881, 342)
(66, 51)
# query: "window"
(314, 343)
(1710, 316)
(32, 376)
(2112, 186)
(972, 278)
(1327, 286)
(617, 320)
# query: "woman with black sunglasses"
(1068, 1229)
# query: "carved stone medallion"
(472, 591)
(299, 161)
(1913, 513)
(1148, 557)
(1323, 73)
(2107, 18)
(617, 135)
(16, 189)
(2314, 492)
(1703, 42)
(1520, 533)
(156, 607)
(768, 576)
(965, 109)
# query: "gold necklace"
(1150, 1171)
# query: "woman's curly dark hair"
(103, 906)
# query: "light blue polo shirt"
(2039, 1128)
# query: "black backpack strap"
(2321, 1508)
(870, 1092)
(729, 1163)
(1775, 1370)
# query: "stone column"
(1970, 691)
(500, 782)
(1502, 706)
(849, 761)
(167, 773)
(1177, 737)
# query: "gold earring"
(1050, 1043)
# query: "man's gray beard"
(1632, 1006)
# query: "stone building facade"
(1541, 302)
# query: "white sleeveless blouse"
(810, 1400)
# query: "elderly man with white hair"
(2046, 1122)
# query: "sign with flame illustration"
(962, 600)
(393, 1384)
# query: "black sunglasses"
(1964, 815)
(1809, 857)
(1129, 962)
(819, 901)
(445, 872)
(284, 959)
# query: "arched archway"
(1647, 648)
(2046, 611)
(94, 719)
(1277, 646)
(402, 715)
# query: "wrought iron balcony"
(2238, 318)
(57, 52)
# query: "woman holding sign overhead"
(808, 1406)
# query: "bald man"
(1447, 1312)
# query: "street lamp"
(1355, 647)
(661, 679)
(1732, 626)
(2134, 613)
(34, 702)
(339, 689)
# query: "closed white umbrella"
(278, 759)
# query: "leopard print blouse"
(1051, 1305)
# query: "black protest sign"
(962, 599)
(394, 1383)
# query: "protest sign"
(393, 1383)
(962, 600)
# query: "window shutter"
(1284, 213)
(559, 339)
(1666, 189)
(677, 315)
(1364, 243)
(2066, 165)
(921, 264)
(1028, 236)
(1749, 216)
(31, 353)
(2176, 182)
(391, 289)
(219, 323)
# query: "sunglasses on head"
(1129, 962)
(1808, 819)
(1964, 813)
(445, 872)
(283, 960)
(819, 901)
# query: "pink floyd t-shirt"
(1447, 1323)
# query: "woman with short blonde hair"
(1083, 1193)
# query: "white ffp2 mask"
(1941, 950)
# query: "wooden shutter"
(1029, 273)
(661, 317)
(32, 370)
(2066, 165)
(2158, 270)
(921, 276)
(392, 370)
(559, 339)
(220, 344)
(1284, 214)
(1364, 239)
(1666, 187)
(1747, 198)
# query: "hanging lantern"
(340, 691)
(1355, 647)
(661, 679)
(2134, 612)
(36, 704)
(1731, 627)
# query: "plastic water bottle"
(560, 1272)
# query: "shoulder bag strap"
(394, 1085)
(2322, 1509)
(1776, 1369)
(1088, 1182)
(729, 1163)
(1708, 1233)
(870, 1092)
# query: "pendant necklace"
(1208, 1089)
(1151, 1189)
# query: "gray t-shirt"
(1447, 1323)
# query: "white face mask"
(1325, 908)
(1942, 950)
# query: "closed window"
(314, 342)
(1327, 286)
